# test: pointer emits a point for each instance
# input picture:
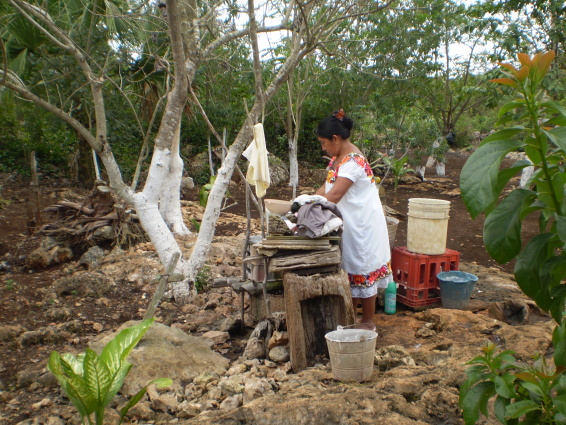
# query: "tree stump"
(315, 305)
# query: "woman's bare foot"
(366, 326)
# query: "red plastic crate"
(418, 271)
(415, 298)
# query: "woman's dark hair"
(337, 123)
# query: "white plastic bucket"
(427, 228)
(352, 353)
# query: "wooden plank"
(291, 244)
(302, 238)
(305, 260)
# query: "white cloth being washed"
(258, 169)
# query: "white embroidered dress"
(365, 241)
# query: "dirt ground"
(22, 292)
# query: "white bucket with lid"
(352, 353)
(427, 227)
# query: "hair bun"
(346, 121)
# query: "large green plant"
(91, 381)
(540, 130)
(536, 394)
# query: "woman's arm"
(341, 186)
(321, 190)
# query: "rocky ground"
(217, 378)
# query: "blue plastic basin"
(456, 288)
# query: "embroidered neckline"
(358, 158)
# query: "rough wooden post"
(161, 287)
(265, 294)
(315, 305)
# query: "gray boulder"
(166, 352)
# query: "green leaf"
(554, 107)
(74, 362)
(516, 410)
(72, 384)
(502, 227)
(527, 268)
(561, 227)
(505, 175)
(533, 153)
(560, 405)
(118, 349)
(131, 403)
(504, 385)
(558, 136)
(557, 184)
(475, 400)
(560, 120)
(533, 388)
(510, 106)
(479, 176)
(559, 296)
(559, 342)
(502, 135)
(117, 380)
(96, 376)
(499, 407)
(159, 383)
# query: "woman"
(365, 242)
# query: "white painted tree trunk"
(215, 197)
(169, 199)
(440, 168)
(293, 162)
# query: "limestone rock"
(141, 410)
(232, 385)
(511, 312)
(217, 337)
(278, 338)
(237, 369)
(166, 352)
(256, 388)
(426, 331)
(279, 354)
(28, 376)
(231, 403)
(42, 404)
(92, 258)
(44, 420)
(278, 171)
(104, 233)
(9, 332)
(38, 259)
(83, 284)
(187, 183)
(442, 403)
(205, 378)
(59, 314)
(257, 343)
(166, 403)
(392, 356)
(188, 410)
(231, 325)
